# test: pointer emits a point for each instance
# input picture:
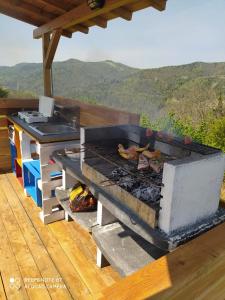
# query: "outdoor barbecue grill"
(174, 205)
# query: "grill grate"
(145, 185)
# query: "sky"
(187, 31)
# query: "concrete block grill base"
(191, 180)
(191, 191)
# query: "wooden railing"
(90, 115)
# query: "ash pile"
(145, 185)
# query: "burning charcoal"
(143, 162)
(137, 193)
(127, 183)
(119, 172)
(149, 194)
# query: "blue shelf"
(13, 156)
(31, 175)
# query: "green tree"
(3, 93)
(216, 134)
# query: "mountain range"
(149, 91)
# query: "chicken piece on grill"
(153, 154)
(155, 166)
(143, 162)
(132, 152)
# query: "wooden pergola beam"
(46, 72)
(49, 46)
(83, 13)
(53, 44)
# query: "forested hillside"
(185, 100)
(187, 89)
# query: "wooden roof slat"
(83, 13)
(72, 15)
(139, 5)
(48, 7)
(99, 21)
(80, 27)
(32, 17)
(65, 4)
(17, 14)
(29, 9)
(123, 13)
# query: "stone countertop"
(70, 165)
(50, 138)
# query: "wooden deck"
(55, 261)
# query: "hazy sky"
(189, 30)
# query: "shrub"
(3, 93)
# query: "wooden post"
(49, 46)
(46, 72)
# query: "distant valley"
(150, 91)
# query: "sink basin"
(49, 129)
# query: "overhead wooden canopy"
(54, 18)
(72, 15)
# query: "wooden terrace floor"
(37, 261)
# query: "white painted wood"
(67, 180)
(47, 170)
(48, 204)
(48, 187)
(48, 184)
(25, 193)
(82, 143)
(25, 145)
(101, 261)
(50, 218)
(47, 149)
(67, 217)
(104, 216)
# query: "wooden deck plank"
(39, 252)
(187, 268)
(87, 271)
(2, 289)
(69, 274)
(24, 257)
(65, 241)
(9, 269)
(87, 246)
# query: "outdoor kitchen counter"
(49, 138)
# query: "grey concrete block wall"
(191, 190)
